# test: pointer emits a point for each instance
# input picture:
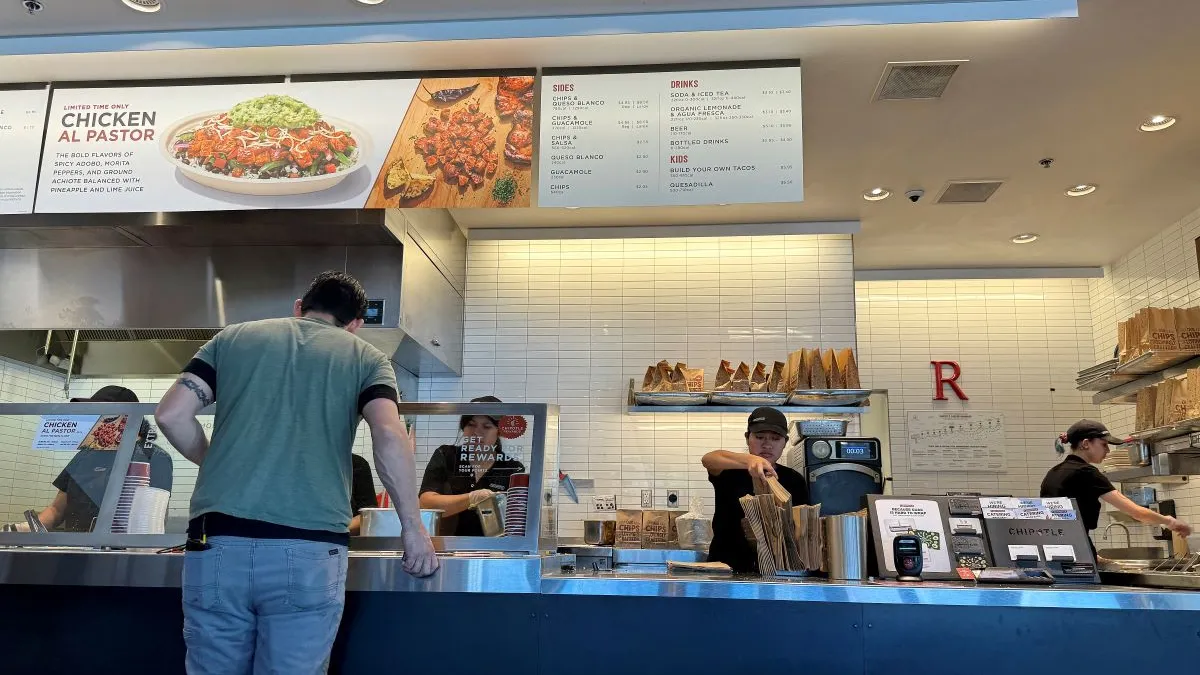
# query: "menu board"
(441, 142)
(22, 120)
(964, 440)
(671, 138)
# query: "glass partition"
(488, 474)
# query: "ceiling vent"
(968, 191)
(915, 81)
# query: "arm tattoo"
(204, 398)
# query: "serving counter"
(519, 613)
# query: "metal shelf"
(1143, 474)
(1181, 428)
(824, 411)
(1170, 364)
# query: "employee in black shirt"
(81, 485)
(1075, 477)
(459, 477)
(362, 491)
(731, 474)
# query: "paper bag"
(1123, 340)
(676, 380)
(741, 378)
(1162, 404)
(694, 377)
(791, 371)
(1146, 398)
(650, 381)
(775, 381)
(758, 379)
(817, 379)
(849, 368)
(1139, 338)
(1161, 330)
(1179, 403)
(724, 377)
(837, 379)
(629, 528)
(1187, 325)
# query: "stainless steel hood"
(165, 283)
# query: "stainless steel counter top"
(884, 592)
(368, 571)
(496, 573)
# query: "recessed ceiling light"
(1157, 123)
(147, 6)
(370, 2)
(1027, 238)
(1081, 190)
(877, 194)
(571, 208)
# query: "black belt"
(222, 525)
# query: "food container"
(599, 532)
(846, 546)
(829, 397)
(671, 397)
(491, 516)
(386, 522)
(748, 398)
(808, 428)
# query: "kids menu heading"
(671, 138)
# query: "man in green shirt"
(264, 576)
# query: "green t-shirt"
(287, 408)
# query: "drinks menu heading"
(22, 120)
(671, 138)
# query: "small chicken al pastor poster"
(446, 142)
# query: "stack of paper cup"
(137, 476)
(149, 512)
(516, 507)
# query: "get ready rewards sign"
(437, 142)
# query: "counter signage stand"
(925, 517)
(1040, 533)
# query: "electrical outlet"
(673, 498)
(604, 503)
(647, 499)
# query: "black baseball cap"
(466, 419)
(110, 394)
(1085, 429)
(767, 419)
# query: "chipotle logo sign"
(512, 426)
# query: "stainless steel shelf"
(1169, 364)
(823, 411)
(1180, 428)
(1143, 474)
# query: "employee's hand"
(1179, 527)
(759, 467)
(477, 497)
(420, 560)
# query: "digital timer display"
(856, 450)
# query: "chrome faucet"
(1128, 539)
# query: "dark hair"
(337, 294)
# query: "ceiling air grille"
(915, 81)
(124, 335)
(968, 191)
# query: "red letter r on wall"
(940, 381)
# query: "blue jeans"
(262, 605)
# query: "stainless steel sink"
(1134, 553)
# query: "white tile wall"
(1163, 273)
(25, 474)
(1019, 344)
(570, 322)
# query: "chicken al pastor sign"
(439, 142)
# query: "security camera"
(33, 6)
(915, 195)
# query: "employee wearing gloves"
(732, 476)
(1075, 477)
(459, 477)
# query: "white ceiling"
(1072, 89)
(110, 16)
